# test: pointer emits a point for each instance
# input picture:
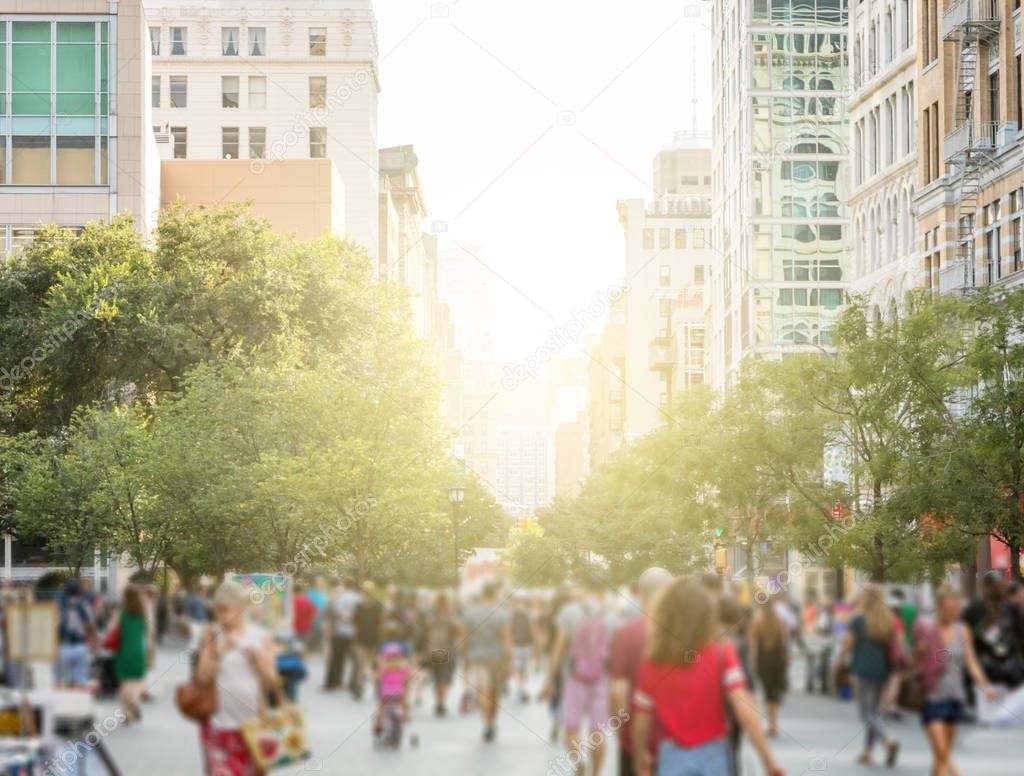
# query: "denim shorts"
(73, 664)
(950, 712)
(710, 759)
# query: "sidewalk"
(818, 735)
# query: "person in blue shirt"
(77, 637)
(317, 593)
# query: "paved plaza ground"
(818, 735)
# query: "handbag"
(912, 692)
(112, 641)
(196, 700)
(277, 737)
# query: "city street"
(817, 735)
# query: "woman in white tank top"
(239, 657)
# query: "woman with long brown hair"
(131, 655)
(688, 679)
(769, 650)
(868, 646)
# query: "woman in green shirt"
(867, 647)
(130, 659)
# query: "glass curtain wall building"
(780, 154)
(56, 100)
(76, 138)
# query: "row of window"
(998, 263)
(231, 41)
(230, 91)
(231, 142)
(884, 134)
(666, 238)
(886, 37)
(57, 95)
(665, 275)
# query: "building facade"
(408, 254)
(273, 80)
(971, 201)
(780, 226)
(883, 165)
(301, 197)
(607, 396)
(76, 140)
(667, 259)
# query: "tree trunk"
(878, 572)
(1015, 560)
(750, 568)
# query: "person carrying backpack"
(77, 635)
(582, 651)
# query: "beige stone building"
(76, 139)
(273, 80)
(883, 164)
(971, 201)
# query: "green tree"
(972, 483)
(886, 393)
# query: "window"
(156, 91)
(257, 142)
(318, 41)
(229, 41)
(76, 161)
(257, 41)
(1017, 96)
(698, 238)
(1016, 206)
(229, 142)
(698, 274)
(179, 138)
(229, 91)
(179, 41)
(30, 160)
(179, 91)
(154, 41)
(648, 239)
(663, 239)
(993, 98)
(317, 91)
(58, 70)
(664, 275)
(257, 92)
(680, 238)
(318, 142)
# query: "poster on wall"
(270, 600)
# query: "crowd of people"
(679, 669)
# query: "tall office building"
(780, 226)
(883, 111)
(667, 255)
(273, 80)
(971, 201)
(75, 142)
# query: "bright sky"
(530, 119)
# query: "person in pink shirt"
(393, 674)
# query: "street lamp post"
(456, 496)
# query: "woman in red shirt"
(686, 680)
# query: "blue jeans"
(73, 664)
(710, 759)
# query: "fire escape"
(969, 149)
